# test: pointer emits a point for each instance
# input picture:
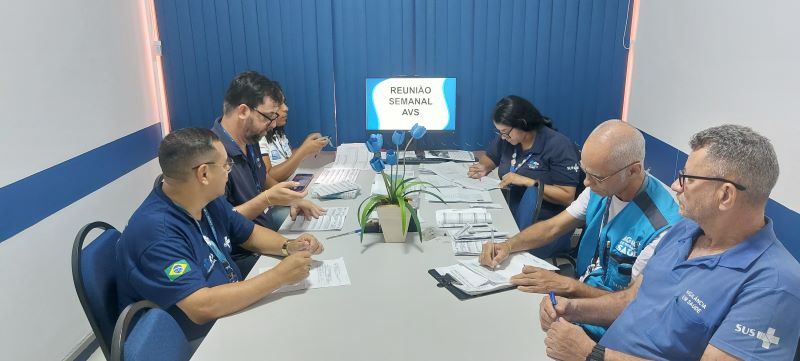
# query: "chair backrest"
(153, 335)
(93, 271)
(529, 206)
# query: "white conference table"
(393, 309)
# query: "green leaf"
(363, 214)
(426, 192)
(403, 222)
(415, 218)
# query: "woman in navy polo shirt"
(527, 151)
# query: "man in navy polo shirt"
(176, 248)
(720, 285)
(251, 106)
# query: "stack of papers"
(333, 219)
(336, 190)
(474, 279)
(327, 273)
(460, 195)
(457, 172)
(352, 155)
(452, 218)
(454, 155)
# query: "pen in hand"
(494, 251)
(554, 302)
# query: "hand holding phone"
(304, 179)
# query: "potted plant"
(394, 209)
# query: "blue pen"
(357, 231)
(554, 302)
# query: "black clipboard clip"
(447, 281)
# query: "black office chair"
(145, 332)
(95, 282)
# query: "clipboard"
(447, 281)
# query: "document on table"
(326, 273)
(379, 186)
(330, 190)
(451, 218)
(352, 155)
(457, 172)
(333, 219)
(459, 195)
(454, 155)
(468, 248)
(474, 279)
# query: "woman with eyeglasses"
(528, 151)
(281, 161)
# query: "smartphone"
(304, 179)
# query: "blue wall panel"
(565, 56)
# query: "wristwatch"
(285, 247)
(598, 353)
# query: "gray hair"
(740, 154)
(626, 142)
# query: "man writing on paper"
(625, 211)
(176, 248)
(252, 105)
(720, 285)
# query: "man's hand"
(294, 268)
(282, 195)
(501, 251)
(516, 179)
(313, 144)
(305, 208)
(305, 242)
(538, 280)
(548, 314)
(477, 171)
(567, 341)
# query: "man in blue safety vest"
(625, 212)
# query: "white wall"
(74, 75)
(703, 63)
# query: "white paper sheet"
(333, 219)
(325, 273)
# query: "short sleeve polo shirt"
(553, 160)
(164, 258)
(744, 301)
(248, 176)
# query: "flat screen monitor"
(399, 103)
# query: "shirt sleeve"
(264, 145)
(166, 273)
(564, 165)
(494, 150)
(760, 325)
(646, 254)
(578, 207)
(239, 227)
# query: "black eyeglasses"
(597, 179)
(682, 180)
(271, 116)
(504, 134)
(227, 166)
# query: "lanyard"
(251, 153)
(601, 250)
(229, 272)
(513, 168)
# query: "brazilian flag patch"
(177, 269)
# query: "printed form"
(326, 273)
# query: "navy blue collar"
(740, 256)
(231, 147)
